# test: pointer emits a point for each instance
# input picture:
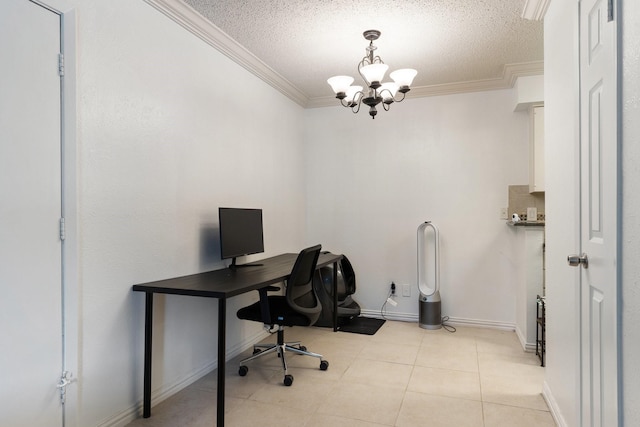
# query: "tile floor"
(401, 376)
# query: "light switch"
(406, 290)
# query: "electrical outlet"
(504, 213)
(406, 290)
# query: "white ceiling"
(449, 42)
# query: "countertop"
(526, 223)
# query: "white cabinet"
(536, 149)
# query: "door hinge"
(61, 64)
(609, 10)
(65, 379)
(62, 229)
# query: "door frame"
(70, 254)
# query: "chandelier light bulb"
(340, 84)
(403, 77)
(374, 73)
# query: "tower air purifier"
(430, 310)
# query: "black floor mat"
(362, 325)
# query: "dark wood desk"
(221, 284)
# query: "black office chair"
(299, 306)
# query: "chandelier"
(372, 71)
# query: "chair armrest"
(264, 305)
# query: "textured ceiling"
(447, 41)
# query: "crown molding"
(534, 10)
(510, 74)
(192, 21)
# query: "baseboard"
(457, 321)
(403, 317)
(125, 417)
(547, 395)
(481, 323)
(133, 412)
(529, 347)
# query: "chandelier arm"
(363, 63)
(361, 75)
(381, 91)
(370, 61)
(386, 106)
(355, 104)
(359, 95)
(356, 107)
(393, 97)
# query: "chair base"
(280, 348)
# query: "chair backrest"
(300, 294)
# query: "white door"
(599, 208)
(31, 353)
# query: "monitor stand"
(234, 266)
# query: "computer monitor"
(240, 233)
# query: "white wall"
(168, 130)
(630, 240)
(562, 204)
(447, 159)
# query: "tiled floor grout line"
(404, 394)
(438, 356)
(475, 340)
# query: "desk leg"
(148, 329)
(335, 296)
(222, 319)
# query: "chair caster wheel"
(242, 371)
(324, 365)
(303, 348)
(288, 380)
